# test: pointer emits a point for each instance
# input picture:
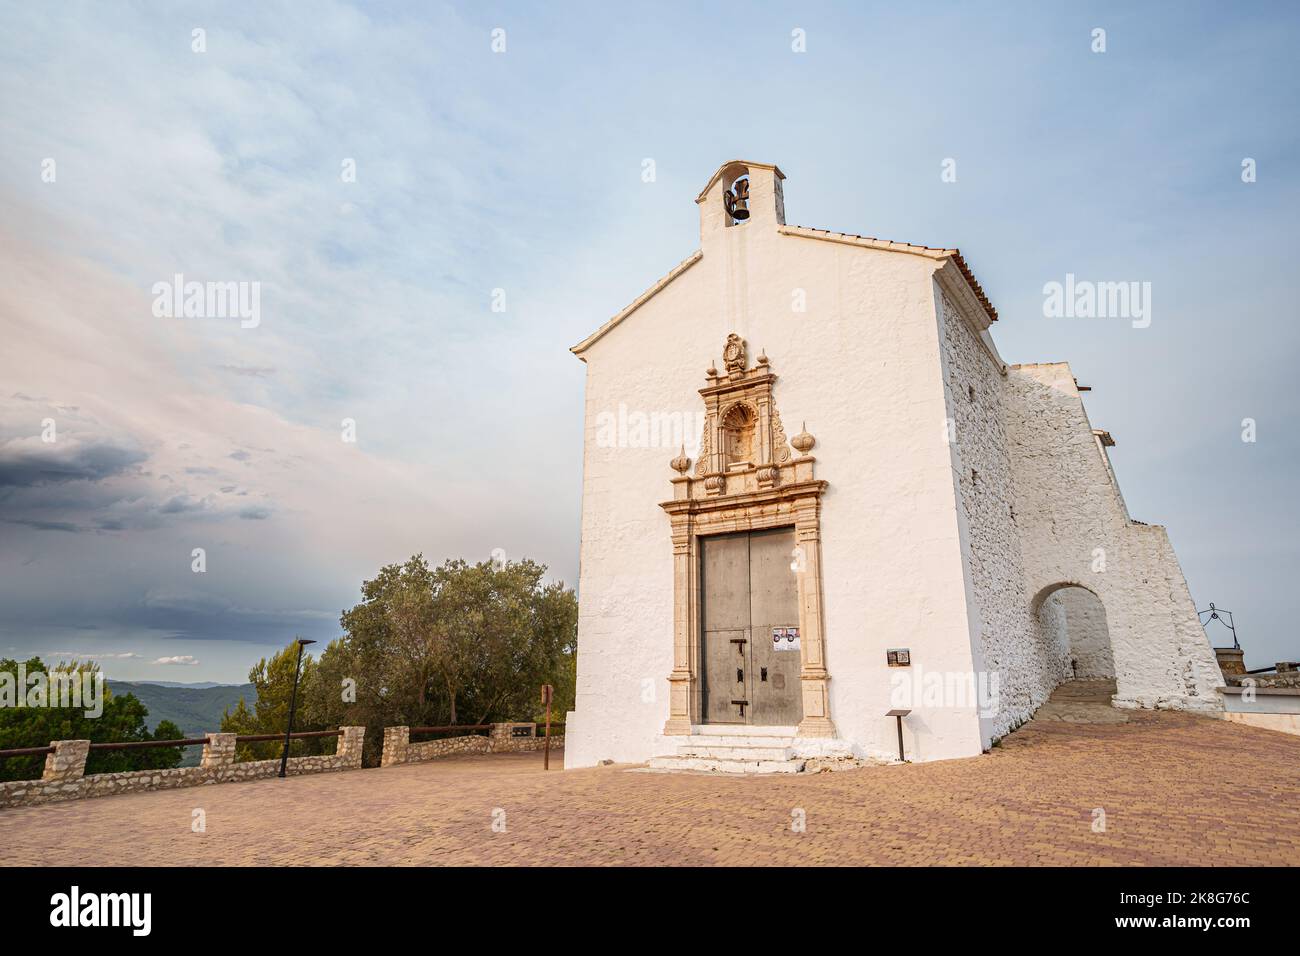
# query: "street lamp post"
(293, 704)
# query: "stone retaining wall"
(65, 769)
(64, 777)
(398, 748)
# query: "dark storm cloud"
(44, 525)
(181, 504)
(24, 462)
(206, 618)
(98, 487)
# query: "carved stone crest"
(733, 354)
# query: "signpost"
(547, 692)
(899, 714)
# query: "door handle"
(740, 676)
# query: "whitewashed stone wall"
(1075, 530)
(1053, 628)
(1027, 662)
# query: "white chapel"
(820, 511)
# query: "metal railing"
(465, 729)
(183, 742)
(143, 744)
(27, 752)
(297, 735)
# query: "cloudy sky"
(128, 157)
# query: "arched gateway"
(745, 605)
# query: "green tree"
(396, 644)
(557, 626)
(123, 719)
(273, 682)
(457, 644)
(460, 643)
(329, 700)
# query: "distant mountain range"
(195, 708)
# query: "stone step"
(735, 740)
(1082, 702)
(1092, 691)
(734, 752)
(717, 765)
(743, 730)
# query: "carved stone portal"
(746, 479)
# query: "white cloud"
(179, 434)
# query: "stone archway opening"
(1075, 637)
(1072, 621)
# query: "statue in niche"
(738, 427)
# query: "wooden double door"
(750, 654)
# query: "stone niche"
(747, 478)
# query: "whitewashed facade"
(946, 499)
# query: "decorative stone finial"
(712, 370)
(681, 464)
(762, 358)
(803, 442)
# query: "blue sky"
(522, 171)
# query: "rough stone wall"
(525, 744)
(1027, 665)
(64, 778)
(398, 748)
(446, 747)
(64, 769)
(1075, 530)
(1284, 679)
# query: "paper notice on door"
(785, 638)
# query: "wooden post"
(547, 691)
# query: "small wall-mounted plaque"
(525, 730)
(899, 657)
